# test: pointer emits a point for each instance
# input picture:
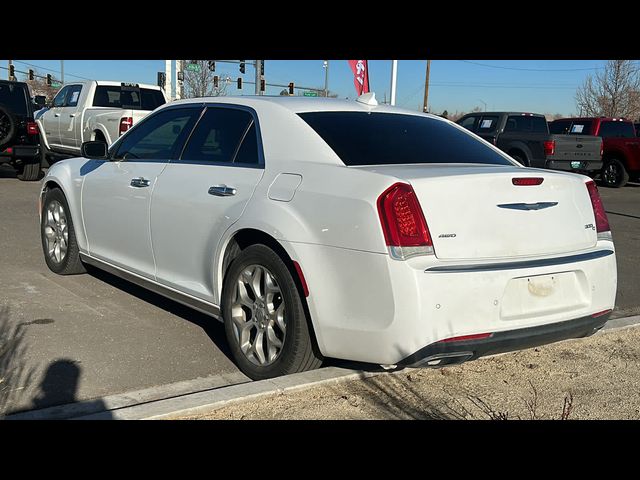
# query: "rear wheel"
(520, 158)
(30, 171)
(265, 321)
(614, 174)
(61, 252)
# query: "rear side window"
(616, 130)
(217, 137)
(361, 138)
(559, 127)
(488, 123)
(526, 123)
(115, 96)
(13, 96)
(73, 95)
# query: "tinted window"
(526, 123)
(559, 127)
(217, 136)
(58, 100)
(582, 127)
(158, 136)
(115, 96)
(488, 123)
(248, 152)
(616, 130)
(73, 95)
(539, 125)
(469, 123)
(13, 96)
(360, 138)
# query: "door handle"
(222, 191)
(140, 182)
(72, 115)
(56, 114)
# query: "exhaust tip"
(443, 360)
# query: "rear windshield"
(13, 97)
(610, 129)
(361, 138)
(114, 96)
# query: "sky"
(540, 86)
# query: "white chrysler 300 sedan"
(327, 228)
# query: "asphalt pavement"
(76, 338)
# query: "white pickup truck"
(93, 110)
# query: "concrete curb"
(194, 397)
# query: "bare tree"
(38, 86)
(613, 92)
(200, 82)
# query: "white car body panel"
(364, 305)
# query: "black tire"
(520, 158)
(299, 351)
(7, 125)
(614, 174)
(30, 171)
(70, 263)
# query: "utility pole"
(258, 77)
(62, 71)
(167, 87)
(326, 78)
(394, 75)
(426, 88)
(9, 70)
(179, 84)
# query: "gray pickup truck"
(526, 138)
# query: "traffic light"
(212, 65)
(242, 67)
(162, 79)
(181, 76)
(48, 79)
(261, 67)
(216, 81)
(32, 74)
(263, 85)
(12, 71)
(290, 88)
(240, 83)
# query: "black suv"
(19, 135)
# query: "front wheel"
(61, 252)
(265, 322)
(614, 174)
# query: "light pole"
(325, 65)
(485, 104)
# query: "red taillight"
(599, 314)
(32, 128)
(403, 223)
(125, 124)
(527, 181)
(303, 282)
(602, 222)
(465, 338)
(549, 147)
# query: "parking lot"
(86, 336)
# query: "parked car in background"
(19, 135)
(94, 110)
(637, 127)
(621, 156)
(329, 228)
(526, 137)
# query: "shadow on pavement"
(59, 385)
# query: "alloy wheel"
(56, 231)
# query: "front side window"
(361, 138)
(159, 136)
(59, 99)
(218, 136)
(469, 123)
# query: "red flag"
(360, 70)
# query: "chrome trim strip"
(527, 206)
(170, 293)
(545, 262)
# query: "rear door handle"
(72, 115)
(140, 182)
(56, 114)
(222, 191)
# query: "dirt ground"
(592, 378)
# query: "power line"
(532, 69)
(51, 70)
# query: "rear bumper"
(582, 165)
(446, 353)
(9, 154)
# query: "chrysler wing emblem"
(528, 206)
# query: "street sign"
(193, 67)
(310, 94)
(56, 84)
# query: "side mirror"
(94, 150)
(40, 101)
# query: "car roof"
(506, 113)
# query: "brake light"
(403, 223)
(32, 128)
(602, 222)
(528, 181)
(125, 124)
(549, 147)
(466, 338)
